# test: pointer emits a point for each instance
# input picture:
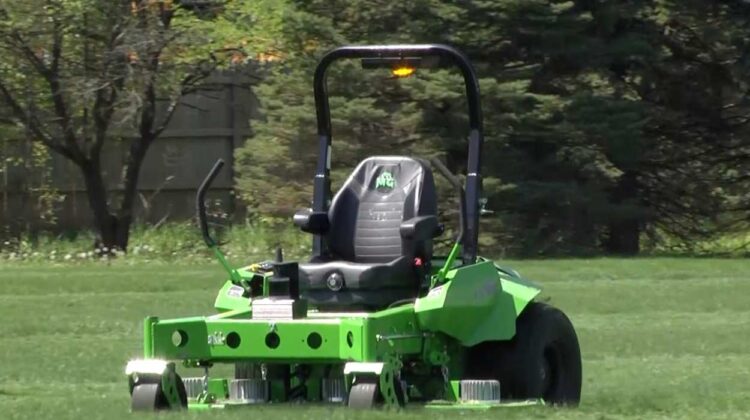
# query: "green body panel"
(235, 336)
(476, 303)
(521, 292)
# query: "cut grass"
(660, 338)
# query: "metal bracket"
(169, 387)
(388, 376)
(389, 380)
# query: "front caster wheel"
(364, 395)
(377, 392)
(158, 393)
(148, 397)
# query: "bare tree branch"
(188, 85)
(31, 122)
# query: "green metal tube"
(148, 336)
(440, 277)
(233, 274)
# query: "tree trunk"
(137, 153)
(624, 237)
(625, 225)
(113, 231)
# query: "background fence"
(210, 125)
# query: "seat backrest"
(366, 213)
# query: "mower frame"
(412, 351)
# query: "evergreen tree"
(605, 121)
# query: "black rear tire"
(543, 360)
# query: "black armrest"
(420, 228)
(312, 222)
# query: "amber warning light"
(402, 71)
(398, 66)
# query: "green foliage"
(47, 196)
(174, 242)
(606, 122)
(44, 199)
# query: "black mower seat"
(378, 233)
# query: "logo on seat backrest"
(385, 181)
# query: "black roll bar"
(322, 184)
(456, 183)
(200, 203)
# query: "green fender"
(477, 303)
(230, 298)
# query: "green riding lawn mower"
(374, 319)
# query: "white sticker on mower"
(235, 291)
(216, 338)
(436, 291)
(152, 366)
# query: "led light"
(403, 71)
(146, 366)
(362, 367)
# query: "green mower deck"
(429, 334)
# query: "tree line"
(610, 126)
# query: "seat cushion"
(366, 213)
(358, 285)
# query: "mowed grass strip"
(660, 338)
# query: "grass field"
(661, 338)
